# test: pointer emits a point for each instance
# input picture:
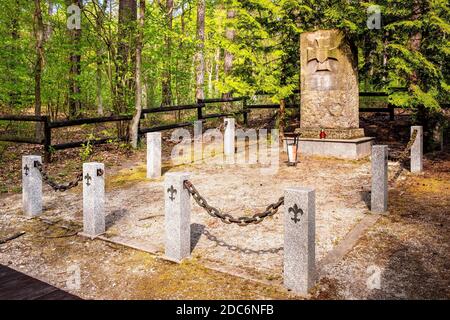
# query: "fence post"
(245, 109)
(391, 112)
(198, 140)
(31, 186)
(379, 193)
(200, 106)
(229, 139)
(93, 199)
(47, 140)
(299, 239)
(177, 217)
(153, 155)
(417, 150)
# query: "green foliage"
(265, 51)
(87, 149)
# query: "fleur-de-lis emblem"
(26, 169)
(88, 179)
(172, 192)
(296, 211)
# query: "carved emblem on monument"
(322, 52)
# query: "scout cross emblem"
(322, 52)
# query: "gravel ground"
(407, 251)
(135, 211)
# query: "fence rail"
(201, 104)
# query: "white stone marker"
(177, 217)
(379, 194)
(198, 140)
(153, 155)
(31, 186)
(299, 239)
(229, 139)
(417, 150)
(93, 199)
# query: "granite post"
(417, 150)
(177, 217)
(299, 239)
(198, 140)
(93, 199)
(153, 155)
(31, 186)
(229, 139)
(379, 194)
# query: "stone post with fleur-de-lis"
(299, 239)
(93, 199)
(177, 217)
(417, 150)
(31, 186)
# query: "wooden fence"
(48, 125)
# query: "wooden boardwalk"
(18, 286)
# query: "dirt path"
(409, 249)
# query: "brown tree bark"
(14, 94)
(99, 23)
(200, 57)
(167, 77)
(125, 54)
(230, 34)
(281, 118)
(38, 66)
(125, 60)
(75, 68)
(216, 69)
(134, 124)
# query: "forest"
(82, 58)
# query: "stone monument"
(330, 97)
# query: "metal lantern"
(292, 149)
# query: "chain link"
(404, 155)
(271, 210)
(53, 184)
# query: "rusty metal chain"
(236, 248)
(54, 185)
(404, 155)
(271, 210)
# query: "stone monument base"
(350, 149)
(313, 133)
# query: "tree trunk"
(166, 77)
(48, 27)
(125, 48)
(14, 92)
(75, 68)
(423, 115)
(125, 54)
(217, 69)
(228, 58)
(99, 23)
(134, 125)
(200, 57)
(281, 117)
(39, 47)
